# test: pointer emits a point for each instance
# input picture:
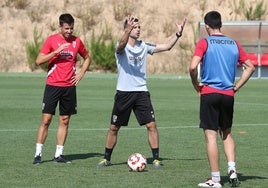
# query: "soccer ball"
(137, 162)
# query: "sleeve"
(82, 49)
(201, 48)
(242, 54)
(150, 48)
(46, 47)
(116, 46)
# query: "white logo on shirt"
(135, 61)
(74, 44)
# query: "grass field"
(182, 146)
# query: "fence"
(253, 36)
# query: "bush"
(102, 53)
(33, 49)
(257, 13)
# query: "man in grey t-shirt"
(132, 92)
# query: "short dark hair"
(66, 18)
(213, 19)
(134, 19)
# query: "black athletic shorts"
(65, 96)
(125, 102)
(216, 111)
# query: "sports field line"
(127, 128)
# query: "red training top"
(61, 68)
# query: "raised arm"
(167, 46)
(127, 30)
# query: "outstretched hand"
(181, 26)
(130, 23)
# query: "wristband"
(178, 35)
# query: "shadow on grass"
(80, 156)
(242, 178)
(73, 157)
(150, 160)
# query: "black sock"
(155, 152)
(108, 153)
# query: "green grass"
(182, 146)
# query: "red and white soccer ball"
(137, 162)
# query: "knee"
(114, 129)
(226, 134)
(151, 126)
(64, 120)
(46, 122)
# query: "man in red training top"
(60, 51)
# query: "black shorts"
(66, 96)
(125, 102)
(216, 111)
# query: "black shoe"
(60, 159)
(37, 160)
(233, 179)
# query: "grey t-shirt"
(131, 65)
